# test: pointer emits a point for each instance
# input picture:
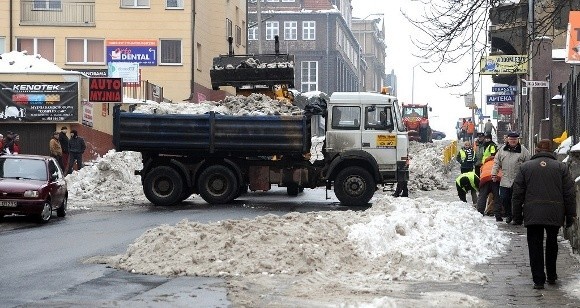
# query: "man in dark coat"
(543, 197)
(76, 148)
(63, 140)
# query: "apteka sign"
(106, 90)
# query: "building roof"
(318, 5)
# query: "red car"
(32, 185)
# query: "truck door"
(379, 136)
(345, 126)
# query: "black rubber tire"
(163, 186)
(61, 211)
(292, 190)
(185, 194)
(46, 213)
(354, 186)
(217, 184)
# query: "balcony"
(57, 13)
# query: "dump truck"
(416, 120)
(221, 157)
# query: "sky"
(447, 105)
(419, 232)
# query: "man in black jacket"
(76, 148)
(63, 140)
(543, 196)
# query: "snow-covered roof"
(22, 62)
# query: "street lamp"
(413, 82)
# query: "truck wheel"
(163, 186)
(354, 186)
(217, 185)
(292, 190)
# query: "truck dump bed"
(184, 134)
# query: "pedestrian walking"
(470, 130)
(76, 148)
(464, 130)
(466, 157)
(8, 145)
(487, 188)
(479, 149)
(467, 182)
(401, 190)
(16, 146)
(489, 128)
(56, 149)
(63, 139)
(508, 158)
(544, 198)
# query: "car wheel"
(61, 211)
(46, 213)
(217, 184)
(354, 186)
(163, 186)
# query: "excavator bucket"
(252, 70)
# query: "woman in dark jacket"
(543, 196)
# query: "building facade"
(370, 34)
(328, 57)
(168, 43)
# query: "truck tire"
(217, 185)
(292, 190)
(354, 186)
(163, 186)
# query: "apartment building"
(171, 43)
(318, 33)
(370, 34)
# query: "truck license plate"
(8, 203)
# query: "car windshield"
(23, 168)
(413, 111)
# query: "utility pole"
(259, 24)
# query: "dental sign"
(143, 52)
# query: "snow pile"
(396, 239)
(426, 169)
(19, 62)
(109, 179)
(252, 105)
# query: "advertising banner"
(129, 72)
(504, 65)
(143, 52)
(38, 101)
(106, 90)
(573, 38)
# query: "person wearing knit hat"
(545, 186)
(508, 158)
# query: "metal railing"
(57, 13)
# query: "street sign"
(537, 84)
(495, 99)
(504, 89)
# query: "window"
(2, 44)
(198, 57)
(253, 33)
(46, 5)
(135, 3)
(174, 4)
(309, 30)
(346, 117)
(238, 36)
(229, 28)
(379, 118)
(309, 76)
(44, 47)
(271, 30)
(170, 52)
(290, 30)
(85, 51)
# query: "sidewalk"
(510, 278)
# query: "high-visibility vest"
(471, 176)
(490, 150)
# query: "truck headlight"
(31, 194)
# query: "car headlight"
(31, 194)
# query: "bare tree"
(454, 29)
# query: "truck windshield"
(413, 111)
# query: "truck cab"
(367, 129)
